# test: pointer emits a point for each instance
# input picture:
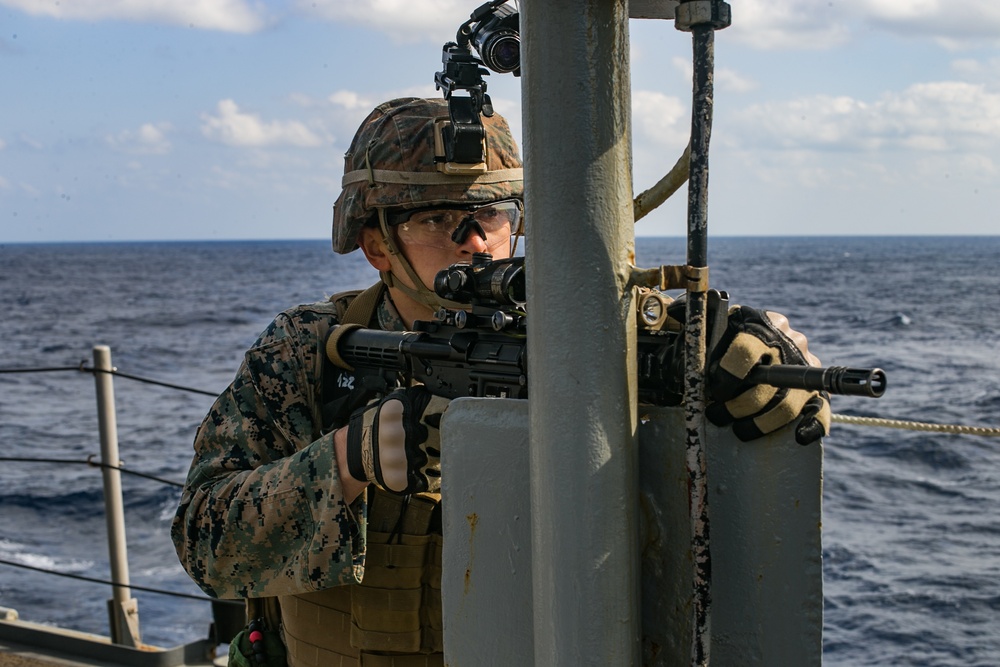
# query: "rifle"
(482, 351)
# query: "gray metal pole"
(124, 616)
(701, 19)
(582, 419)
(695, 352)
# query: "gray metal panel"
(765, 501)
(765, 504)
(486, 583)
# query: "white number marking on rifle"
(345, 381)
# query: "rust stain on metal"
(473, 520)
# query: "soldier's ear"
(373, 245)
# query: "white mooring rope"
(918, 426)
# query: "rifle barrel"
(835, 379)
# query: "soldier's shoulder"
(342, 300)
(307, 321)
(307, 313)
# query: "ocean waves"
(911, 539)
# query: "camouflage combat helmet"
(391, 164)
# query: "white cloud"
(352, 101)
(965, 112)
(937, 116)
(985, 71)
(661, 126)
(150, 139)
(403, 20)
(797, 167)
(31, 142)
(341, 112)
(225, 15)
(811, 25)
(789, 24)
(29, 189)
(967, 67)
(731, 81)
(953, 24)
(979, 164)
(763, 24)
(235, 128)
(659, 118)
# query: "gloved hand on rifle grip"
(755, 337)
(394, 442)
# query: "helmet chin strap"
(421, 293)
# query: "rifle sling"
(338, 404)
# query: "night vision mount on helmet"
(492, 30)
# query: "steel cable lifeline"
(94, 580)
(83, 368)
(89, 461)
(122, 608)
(878, 422)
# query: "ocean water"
(911, 527)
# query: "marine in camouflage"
(262, 512)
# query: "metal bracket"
(125, 622)
(692, 13)
(652, 9)
(689, 278)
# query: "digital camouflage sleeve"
(262, 512)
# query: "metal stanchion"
(122, 607)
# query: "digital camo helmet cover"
(393, 163)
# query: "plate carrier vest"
(393, 617)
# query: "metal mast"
(578, 183)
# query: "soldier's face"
(428, 260)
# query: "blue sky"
(228, 119)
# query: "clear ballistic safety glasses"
(444, 226)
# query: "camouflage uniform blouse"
(262, 512)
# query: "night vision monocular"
(493, 31)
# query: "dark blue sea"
(911, 520)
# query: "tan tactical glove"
(394, 442)
(755, 337)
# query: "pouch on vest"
(256, 646)
(259, 644)
(397, 605)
